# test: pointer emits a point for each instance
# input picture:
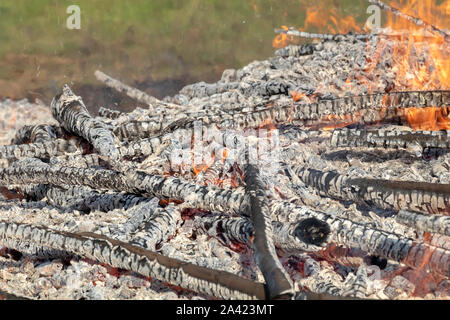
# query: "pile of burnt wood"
(251, 162)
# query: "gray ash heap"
(300, 176)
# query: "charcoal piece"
(109, 113)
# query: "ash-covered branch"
(388, 194)
(73, 116)
(309, 234)
(131, 92)
(390, 138)
(137, 182)
(410, 18)
(118, 254)
(45, 149)
(434, 224)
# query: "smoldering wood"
(118, 254)
(300, 113)
(390, 139)
(72, 114)
(45, 149)
(130, 91)
(38, 133)
(410, 18)
(433, 198)
(137, 182)
(230, 230)
(377, 242)
(434, 223)
(277, 280)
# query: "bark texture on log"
(390, 139)
(277, 280)
(73, 116)
(424, 197)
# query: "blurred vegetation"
(143, 42)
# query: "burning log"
(377, 242)
(397, 195)
(277, 280)
(72, 114)
(310, 113)
(389, 139)
(435, 223)
(412, 19)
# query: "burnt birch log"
(305, 235)
(132, 92)
(424, 197)
(434, 224)
(73, 116)
(278, 283)
(45, 150)
(390, 139)
(118, 254)
(377, 242)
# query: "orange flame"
(281, 40)
(421, 58)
